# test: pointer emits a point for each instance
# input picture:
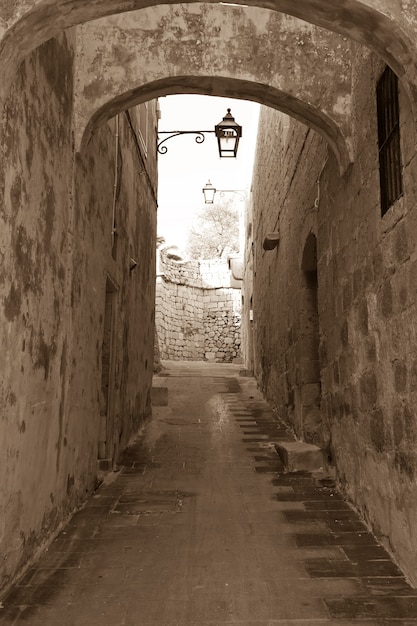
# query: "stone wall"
(335, 306)
(197, 312)
(73, 388)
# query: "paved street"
(202, 526)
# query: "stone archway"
(235, 56)
(391, 33)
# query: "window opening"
(390, 168)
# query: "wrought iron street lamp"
(228, 133)
(209, 193)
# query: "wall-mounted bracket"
(271, 241)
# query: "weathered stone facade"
(335, 305)
(197, 312)
(76, 362)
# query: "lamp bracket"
(209, 192)
(175, 133)
(239, 192)
(271, 241)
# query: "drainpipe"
(116, 180)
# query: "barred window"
(390, 169)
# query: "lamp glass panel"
(209, 195)
(228, 144)
(209, 192)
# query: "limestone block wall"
(76, 324)
(197, 312)
(335, 305)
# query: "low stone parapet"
(195, 319)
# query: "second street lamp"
(209, 192)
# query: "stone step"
(300, 456)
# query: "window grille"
(390, 168)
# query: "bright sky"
(187, 166)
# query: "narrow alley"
(201, 525)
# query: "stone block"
(400, 376)
(309, 370)
(300, 456)
(368, 390)
(311, 394)
(159, 396)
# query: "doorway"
(105, 447)
(310, 364)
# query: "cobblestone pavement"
(202, 526)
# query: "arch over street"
(234, 88)
(225, 51)
(389, 31)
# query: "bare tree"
(215, 232)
